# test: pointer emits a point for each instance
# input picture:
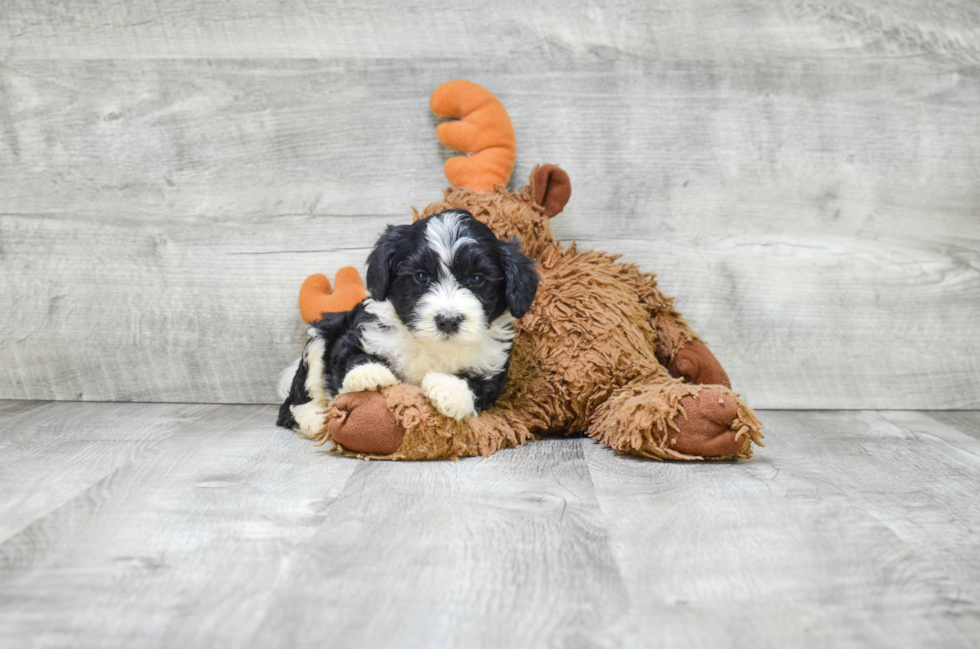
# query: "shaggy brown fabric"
(591, 354)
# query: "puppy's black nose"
(448, 324)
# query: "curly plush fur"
(592, 355)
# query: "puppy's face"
(448, 277)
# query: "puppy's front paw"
(370, 376)
(449, 394)
(309, 417)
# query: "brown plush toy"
(601, 350)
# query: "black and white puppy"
(444, 294)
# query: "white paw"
(309, 417)
(449, 394)
(370, 376)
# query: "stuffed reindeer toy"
(592, 346)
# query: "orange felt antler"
(317, 298)
(483, 132)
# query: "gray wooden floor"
(170, 525)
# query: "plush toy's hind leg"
(679, 349)
(678, 421)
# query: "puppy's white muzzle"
(449, 311)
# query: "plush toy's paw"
(369, 376)
(367, 425)
(449, 394)
(677, 421)
(694, 363)
(707, 430)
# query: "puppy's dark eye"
(423, 278)
(476, 280)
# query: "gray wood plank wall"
(802, 175)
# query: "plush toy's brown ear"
(550, 188)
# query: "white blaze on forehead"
(444, 235)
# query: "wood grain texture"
(457, 555)
(180, 545)
(802, 176)
(693, 30)
(846, 530)
(965, 421)
(55, 452)
(10, 409)
(216, 529)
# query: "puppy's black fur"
(342, 352)
(402, 269)
(401, 254)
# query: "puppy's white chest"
(414, 361)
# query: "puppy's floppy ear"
(520, 276)
(381, 261)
